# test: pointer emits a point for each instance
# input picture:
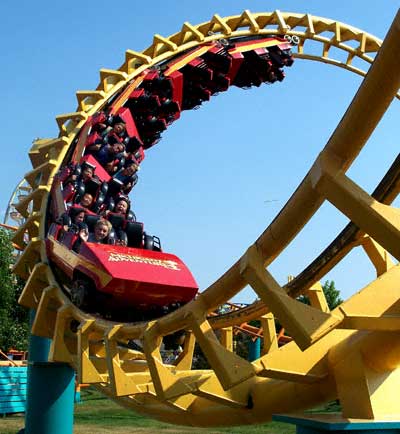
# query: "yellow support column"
(269, 333)
(317, 297)
(227, 338)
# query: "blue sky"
(221, 173)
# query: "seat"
(68, 192)
(134, 232)
(114, 187)
(69, 239)
(117, 220)
(91, 221)
(55, 230)
(111, 238)
(92, 186)
(131, 216)
(151, 242)
(121, 238)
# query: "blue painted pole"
(254, 349)
(51, 390)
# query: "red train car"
(123, 282)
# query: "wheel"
(80, 293)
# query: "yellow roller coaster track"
(354, 347)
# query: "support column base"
(50, 399)
(334, 423)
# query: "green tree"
(14, 323)
(332, 294)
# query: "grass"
(98, 415)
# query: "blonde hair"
(104, 222)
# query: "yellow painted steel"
(269, 333)
(353, 348)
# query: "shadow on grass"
(97, 411)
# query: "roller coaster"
(350, 353)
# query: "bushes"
(14, 323)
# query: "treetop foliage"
(14, 323)
(332, 294)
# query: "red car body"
(143, 279)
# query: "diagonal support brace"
(304, 323)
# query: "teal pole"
(51, 390)
(254, 349)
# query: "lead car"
(122, 283)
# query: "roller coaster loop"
(351, 353)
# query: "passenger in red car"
(128, 176)
(85, 176)
(119, 129)
(86, 201)
(77, 217)
(87, 173)
(101, 231)
(110, 155)
(83, 234)
(122, 206)
(74, 179)
(121, 209)
(72, 220)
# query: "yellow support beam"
(59, 351)
(121, 384)
(270, 340)
(41, 174)
(27, 231)
(86, 369)
(304, 323)
(379, 257)
(29, 258)
(185, 358)
(317, 297)
(367, 379)
(211, 389)
(227, 338)
(34, 286)
(167, 385)
(381, 222)
(67, 122)
(35, 198)
(43, 150)
(190, 33)
(110, 77)
(88, 98)
(228, 367)
(46, 313)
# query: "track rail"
(234, 391)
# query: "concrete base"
(334, 423)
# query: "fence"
(13, 383)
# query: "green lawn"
(99, 415)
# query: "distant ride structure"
(351, 353)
